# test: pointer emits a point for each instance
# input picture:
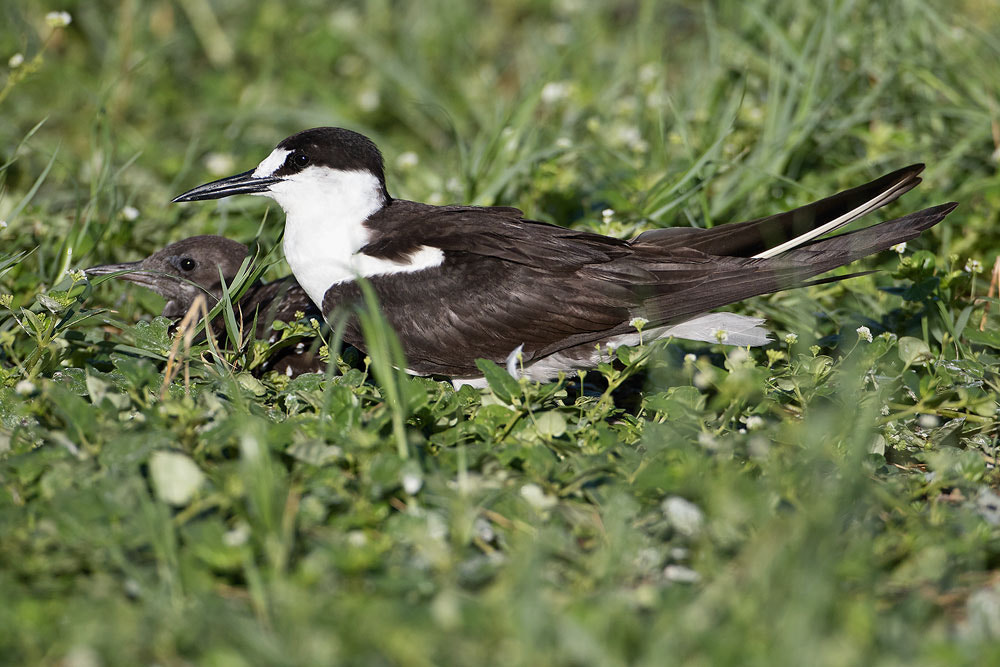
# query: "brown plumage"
(183, 270)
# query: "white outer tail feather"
(837, 223)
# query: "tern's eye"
(300, 159)
(188, 264)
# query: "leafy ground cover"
(830, 499)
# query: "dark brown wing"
(479, 307)
(503, 233)
(507, 282)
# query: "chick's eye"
(188, 264)
(300, 159)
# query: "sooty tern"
(463, 282)
(183, 270)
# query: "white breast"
(325, 211)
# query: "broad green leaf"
(503, 385)
(913, 350)
(551, 423)
(176, 478)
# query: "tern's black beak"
(240, 184)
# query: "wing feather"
(507, 282)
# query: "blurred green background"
(805, 545)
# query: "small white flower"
(608, 214)
(973, 266)
(865, 334)
(791, 339)
(570, 6)
(649, 72)
(3, 224)
(564, 143)
(928, 421)
(720, 335)
(130, 213)
(412, 483)
(638, 323)
(690, 358)
(686, 517)
(238, 536)
(884, 411)
(219, 163)
(16, 61)
(899, 247)
(437, 527)
(738, 356)
(484, 529)
(681, 574)
(657, 99)
(407, 160)
(754, 422)
(24, 387)
(345, 19)
(77, 275)
(58, 19)
(537, 498)
(369, 99)
(629, 136)
(555, 91)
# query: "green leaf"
(56, 302)
(314, 452)
(551, 423)
(989, 337)
(152, 336)
(500, 381)
(176, 477)
(251, 384)
(913, 350)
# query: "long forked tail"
(776, 234)
(829, 253)
(735, 279)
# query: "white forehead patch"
(271, 163)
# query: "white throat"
(325, 210)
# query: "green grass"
(827, 501)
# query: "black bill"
(240, 184)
